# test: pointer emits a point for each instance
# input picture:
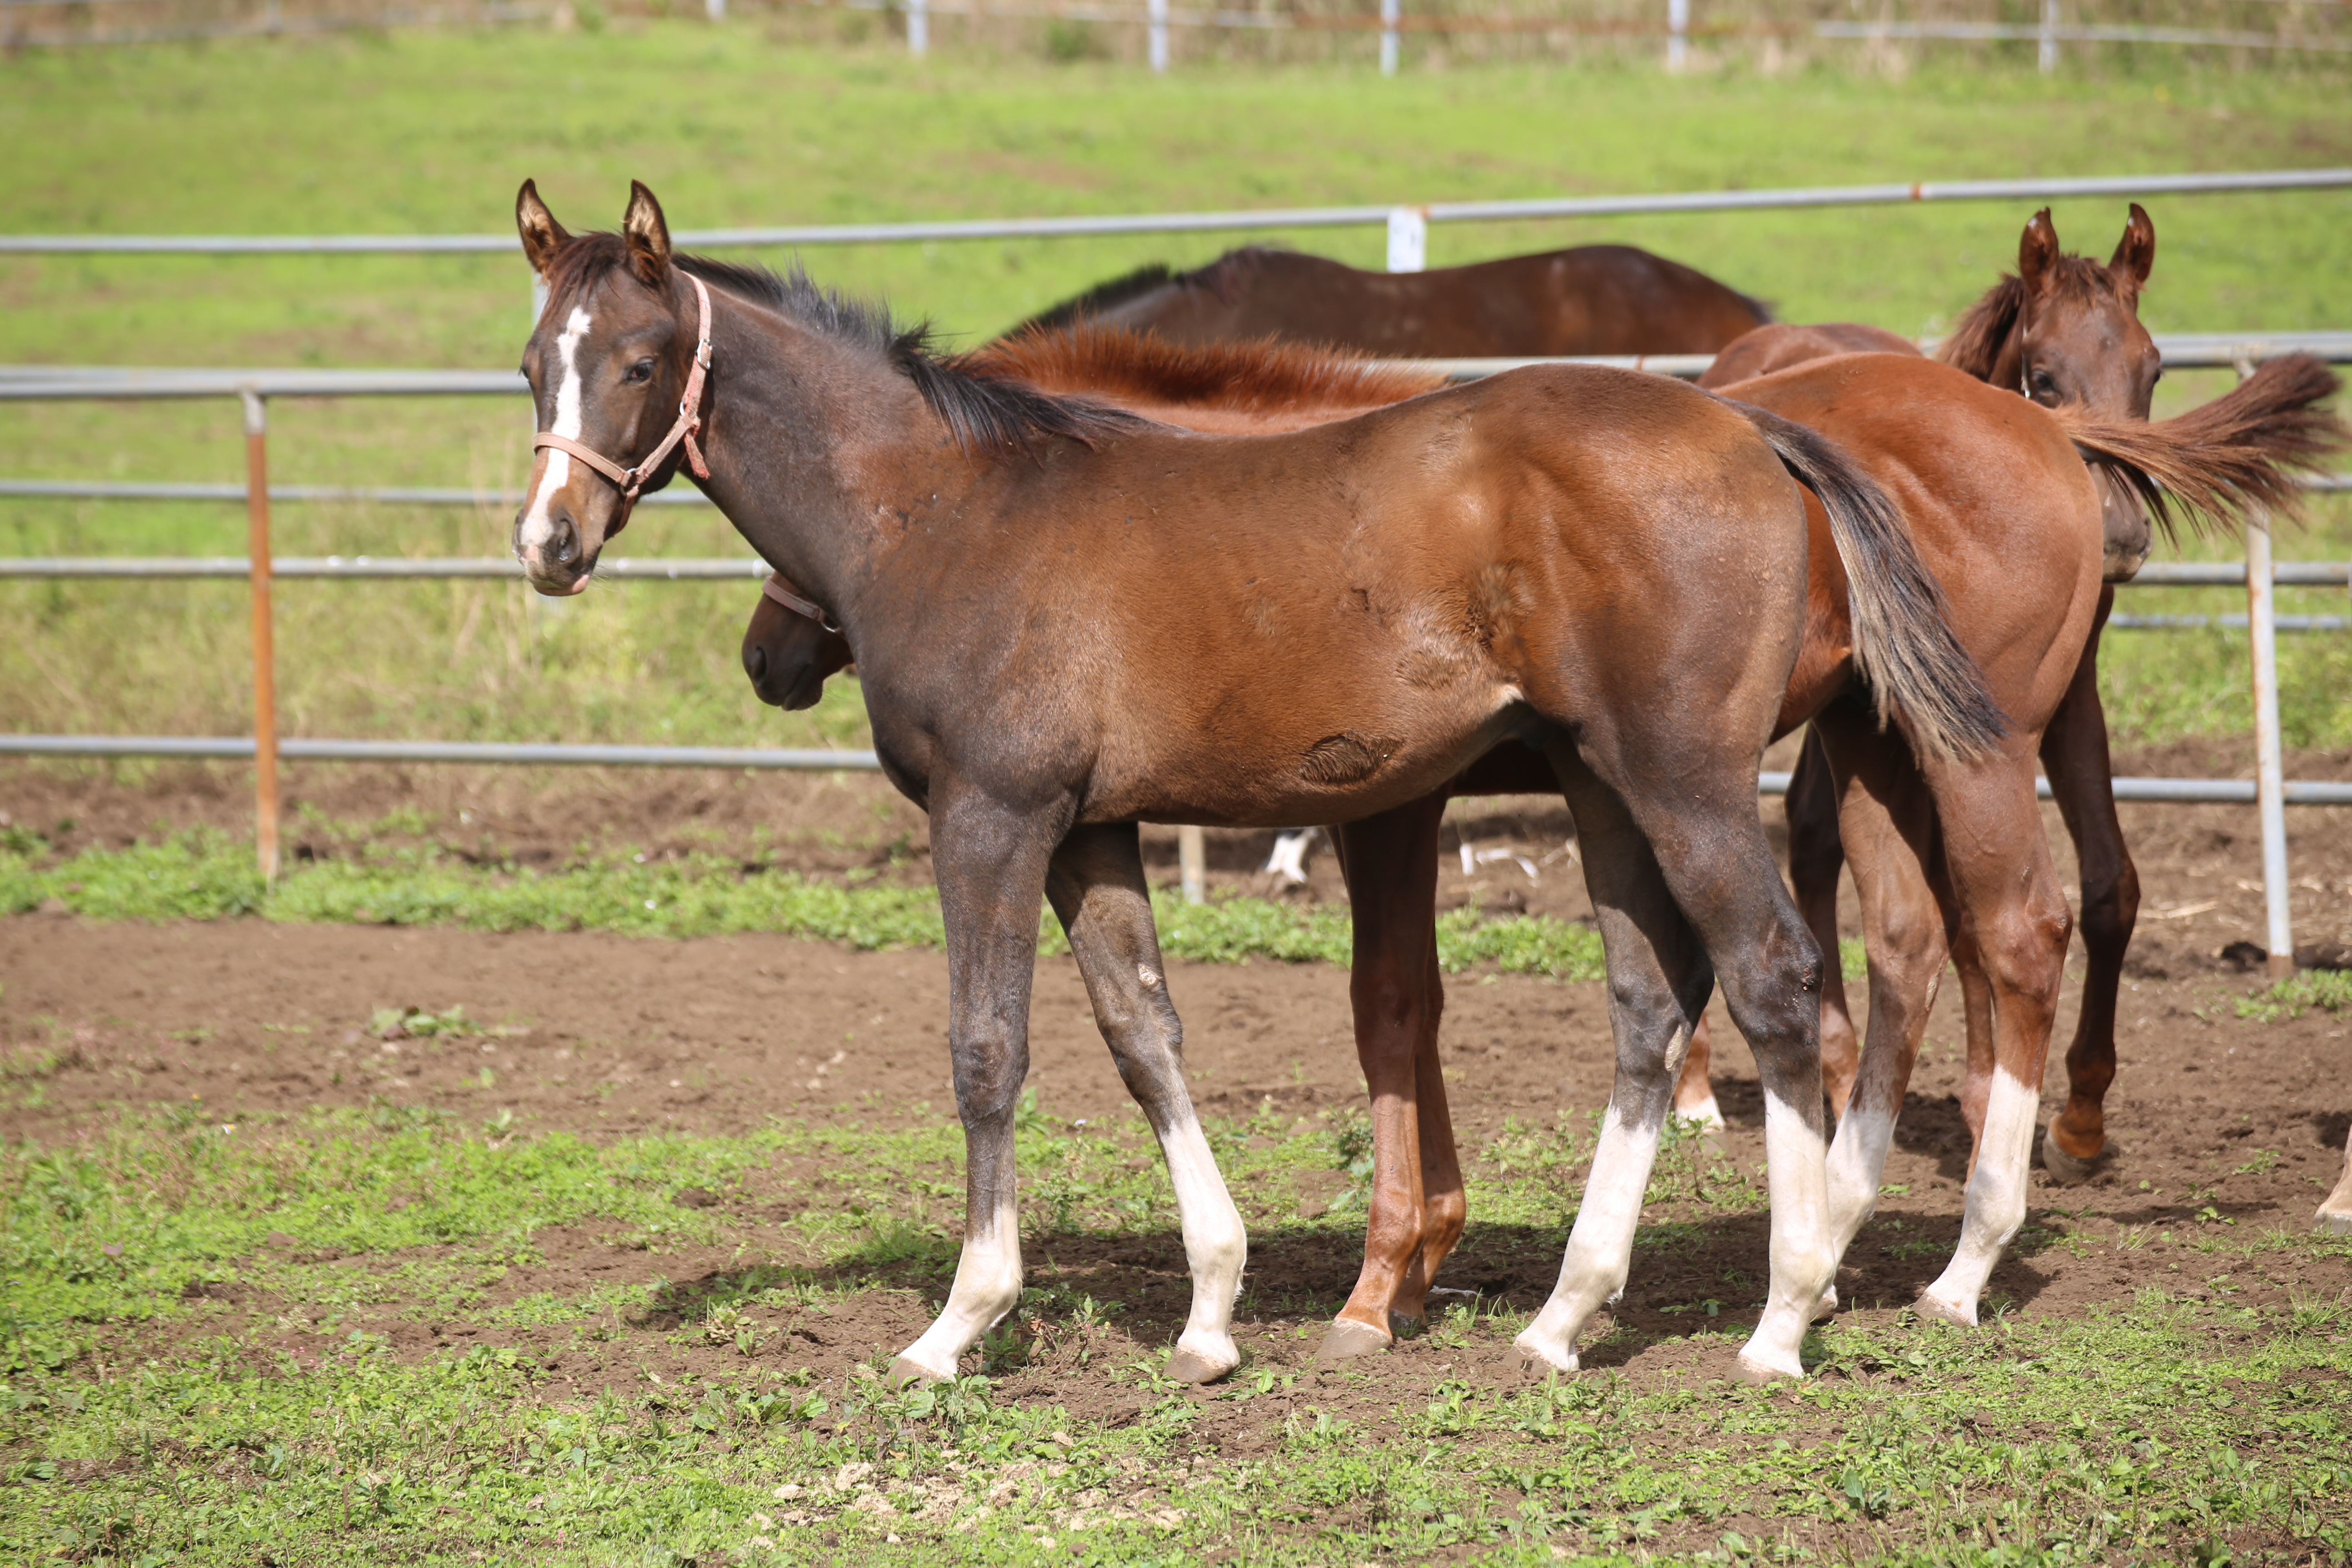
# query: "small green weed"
(2330, 989)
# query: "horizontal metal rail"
(680, 568)
(2226, 623)
(234, 747)
(2085, 33)
(55, 384)
(1208, 222)
(390, 495)
(689, 568)
(2175, 792)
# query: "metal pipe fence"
(1360, 217)
(1407, 235)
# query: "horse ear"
(648, 236)
(2135, 252)
(542, 237)
(2037, 248)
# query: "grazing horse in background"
(1590, 300)
(1398, 990)
(2062, 330)
(1069, 620)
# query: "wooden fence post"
(265, 668)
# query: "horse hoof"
(905, 1373)
(1191, 1366)
(1757, 1374)
(2328, 1224)
(2071, 1170)
(1346, 1340)
(1403, 1328)
(1826, 1307)
(1934, 1307)
(1535, 1366)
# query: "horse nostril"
(567, 543)
(755, 663)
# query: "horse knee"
(1774, 990)
(2110, 908)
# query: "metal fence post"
(2049, 51)
(716, 10)
(918, 27)
(1158, 33)
(265, 669)
(1677, 34)
(1408, 238)
(1192, 864)
(2269, 772)
(1391, 12)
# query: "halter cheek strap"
(774, 588)
(631, 480)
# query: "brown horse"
(2062, 330)
(1068, 620)
(1591, 300)
(1984, 534)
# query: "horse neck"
(812, 441)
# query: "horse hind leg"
(1816, 856)
(1097, 889)
(2074, 754)
(1391, 862)
(1684, 893)
(2014, 916)
(1886, 822)
(1444, 1206)
(1694, 1087)
(2335, 1215)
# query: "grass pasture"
(432, 132)
(436, 1243)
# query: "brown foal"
(1068, 620)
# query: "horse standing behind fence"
(1068, 620)
(1590, 300)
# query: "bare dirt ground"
(624, 1036)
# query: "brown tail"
(1904, 645)
(2230, 458)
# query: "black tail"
(1904, 645)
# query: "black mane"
(982, 414)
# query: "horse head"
(611, 365)
(789, 652)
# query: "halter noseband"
(774, 588)
(689, 421)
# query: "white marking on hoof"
(1943, 1309)
(1539, 1361)
(1201, 1357)
(2328, 1224)
(1756, 1371)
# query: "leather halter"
(774, 588)
(631, 480)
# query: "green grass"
(432, 132)
(205, 876)
(144, 1418)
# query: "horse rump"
(1904, 645)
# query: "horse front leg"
(2082, 780)
(1816, 856)
(1390, 863)
(1099, 892)
(990, 859)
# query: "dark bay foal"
(1068, 620)
(1590, 300)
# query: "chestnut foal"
(1068, 620)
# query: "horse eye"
(641, 371)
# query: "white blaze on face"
(556, 466)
